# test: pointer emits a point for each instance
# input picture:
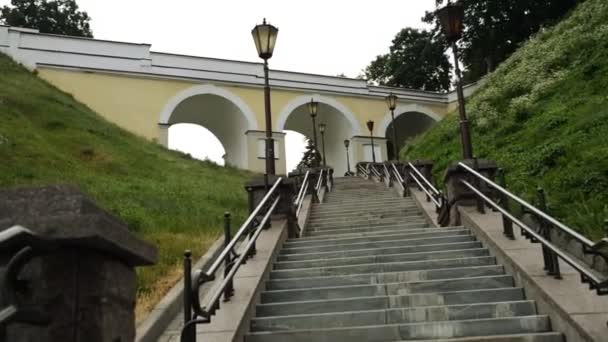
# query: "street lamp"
(451, 17)
(391, 101)
(265, 37)
(322, 127)
(313, 107)
(346, 144)
(370, 126)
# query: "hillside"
(543, 116)
(166, 197)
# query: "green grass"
(166, 197)
(543, 116)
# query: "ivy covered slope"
(165, 197)
(543, 116)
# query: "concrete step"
(382, 268)
(361, 204)
(396, 332)
(382, 259)
(533, 337)
(376, 236)
(364, 221)
(329, 209)
(388, 289)
(380, 251)
(395, 316)
(361, 230)
(372, 233)
(379, 223)
(366, 215)
(382, 278)
(380, 244)
(391, 302)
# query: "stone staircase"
(370, 268)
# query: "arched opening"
(338, 128)
(197, 141)
(408, 125)
(219, 116)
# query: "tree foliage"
(311, 157)
(52, 16)
(416, 60)
(495, 29)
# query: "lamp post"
(346, 144)
(370, 126)
(265, 37)
(322, 127)
(312, 109)
(451, 17)
(391, 101)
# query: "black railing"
(425, 185)
(27, 246)
(374, 172)
(551, 253)
(194, 313)
(329, 179)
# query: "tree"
(311, 157)
(416, 60)
(495, 29)
(52, 16)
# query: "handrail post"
(506, 223)
(480, 205)
(551, 260)
(189, 334)
(229, 290)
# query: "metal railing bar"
(304, 183)
(565, 257)
(529, 206)
(424, 179)
(301, 202)
(398, 175)
(431, 196)
(220, 290)
(320, 181)
(220, 259)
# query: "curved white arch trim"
(404, 109)
(207, 89)
(302, 100)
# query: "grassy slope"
(543, 116)
(165, 197)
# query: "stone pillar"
(256, 151)
(458, 195)
(87, 285)
(256, 190)
(358, 144)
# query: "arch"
(404, 109)
(207, 89)
(305, 99)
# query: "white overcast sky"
(320, 37)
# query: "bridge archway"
(341, 124)
(219, 111)
(411, 120)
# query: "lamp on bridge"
(451, 19)
(322, 127)
(370, 126)
(346, 144)
(265, 37)
(391, 101)
(313, 107)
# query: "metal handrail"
(580, 238)
(319, 181)
(302, 194)
(398, 176)
(597, 283)
(329, 181)
(362, 169)
(28, 246)
(191, 286)
(428, 183)
(375, 172)
(434, 197)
